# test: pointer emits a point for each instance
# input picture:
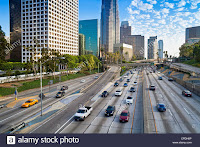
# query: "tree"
(3, 44)
(197, 52)
(121, 51)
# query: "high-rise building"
(81, 44)
(160, 49)
(152, 48)
(15, 29)
(110, 24)
(192, 33)
(52, 24)
(137, 41)
(125, 30)
(90, 29)
(127, 50)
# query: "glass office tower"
(110, 24)
(89, 28)
(15, 29)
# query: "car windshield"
(135, 82)
(81, 111)
(129, 98)
(28, 101)
(118, 91)
(132, 88)
(59, 92)
(109, 108)
(105, 92)
(152, 86)
(124, 114)
(161, 105)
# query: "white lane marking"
(64, 125)
(170, 112)
(186, 111)
(172, 94)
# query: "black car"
(161, 107)
(160, 78)
(152, 87)
(105, 94)
(132, 89)
(116, 84)
(128, 80)
(186, 93)
(60, 94)
(110, 111)
(64, 88)
(170, 79)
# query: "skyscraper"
(81, 44)
(160, 49)
(54, 24)
(137, 41)
(125, 30)
(15, 29)
(110, 24)
(152, 47)
(192, 34)
(89, 28)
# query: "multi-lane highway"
(182, 113)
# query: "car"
(135, 83)
(125, 76)
(128, 80)
(64, 88)
(125, 84)
(129, 100)
(158, 72)
(60, 94)
(152, 87)
(105, 94)
(124, 116)
(118, 92)
(82, 113)
(132, 89)
(116, 84)
(82, 81)
(160, 78)
(170, 79)
(110, 111)
(151, 72)
(187, 93)
(96, 77)
(147, 73)
(29, 103)
(161, 107)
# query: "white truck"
(82, 113)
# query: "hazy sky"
(165, 18)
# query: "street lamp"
(41, 94)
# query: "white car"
(158, 72)
(129, 100)
(135, 83)
(118, 93)
(96, 77)
(125, 76)
(82, 81)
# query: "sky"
(166, 19)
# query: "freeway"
(10, 116)
(181, 115)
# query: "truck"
(82, 113)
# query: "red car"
(124, 116)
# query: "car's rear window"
(129, 98)
(162, 105)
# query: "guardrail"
(17, 127)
